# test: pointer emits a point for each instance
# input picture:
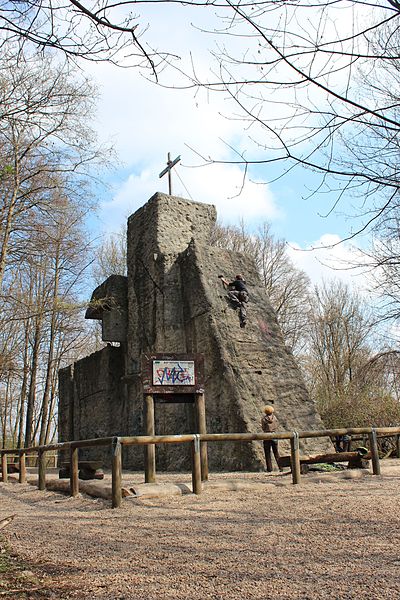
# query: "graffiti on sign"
(172, 372)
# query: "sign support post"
(150, 449)
(173, 378)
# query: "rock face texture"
(92, 401)
(176, 303)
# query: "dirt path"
(328, 538)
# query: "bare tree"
(316, 86)
(383, 261)
(315, 81)
(110, 258)
(45, 134)
(49, 158)
(42, 313)
(351, 383)
(92, 31)
(319, 54)
(96, 31)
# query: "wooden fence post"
(73, 471)
(150, 451)
(22, 467)
(295, 458)
(398, 446)
(116, 473)
(202, 428)
(373, 444)
(196, 466)
(41, 469)
(4, 471)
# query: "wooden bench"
(11, 468)
(356, 460)
(88, 469)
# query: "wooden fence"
(196, 440)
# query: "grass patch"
(16, 579)
(325, 467)
(5, 563)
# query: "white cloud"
(217, 184)
(147, 121)
(331, 258)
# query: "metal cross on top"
(169, 167)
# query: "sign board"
(173, 373)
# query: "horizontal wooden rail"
(381, 431)
(204, 437)
(246, 437)
(116, 443)
(209, 437)
(61, 446)
(144, 440)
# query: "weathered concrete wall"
(157, 233)
(109, 304)
(245, 368)
(93, 401)
(176, 303)
(181, 307)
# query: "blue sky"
(145, 122)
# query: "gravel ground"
(331, 537)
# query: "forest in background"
(343, 340)
(49, 159)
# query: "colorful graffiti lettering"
(176, 375)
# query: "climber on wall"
(238, 296)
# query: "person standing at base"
(238, 296)
(269, 424)
(342, 443)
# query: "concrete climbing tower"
(173, 301)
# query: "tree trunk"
(10, 214)
(24, 385)
(32, 385)
(50, 357)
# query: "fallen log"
(334, 457)
(157, 490)
(91, 488)
(85, 464)
(142, 491)
(11, 468)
